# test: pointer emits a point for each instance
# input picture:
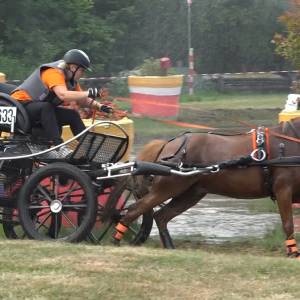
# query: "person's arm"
(67, 96)
(55, 81)
(79, 96)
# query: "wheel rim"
(54, 207)
(109, 214)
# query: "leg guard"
(292, 249)
(120, 231)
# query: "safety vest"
(36, 88)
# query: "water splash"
(218, 220)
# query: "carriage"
(54, 192)
(77, 194)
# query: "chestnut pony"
(282, 182)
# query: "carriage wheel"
(11, 225)
(51, 201)
(109, 214)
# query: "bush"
(118, 87)
(151, 67)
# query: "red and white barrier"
(155, 96)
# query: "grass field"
(40, 270)
(215, 110)
(235, 100)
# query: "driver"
(55, 84)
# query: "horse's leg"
(172, 209)
(284, 201)
(163, 188)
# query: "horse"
(254, 180)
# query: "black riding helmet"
(77, 57)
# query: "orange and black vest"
(38, 91)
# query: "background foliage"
(227, 35)
(288, 44)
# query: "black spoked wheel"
(11, 225)
(51, 201)
(111, 208)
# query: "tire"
(110, 213)
(49, 207)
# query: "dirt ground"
(238, 120)
(228, 118)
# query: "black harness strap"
(261, 146)
(180, 153)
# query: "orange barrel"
(155, 96)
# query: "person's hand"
(106, 109)
(94, 93)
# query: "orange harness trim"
(253, 139)
(267, 142)
(267, 131)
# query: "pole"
(190, 51)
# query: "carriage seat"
(22, 122)
(6, 88)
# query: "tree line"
(227, 35)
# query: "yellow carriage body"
(284, 116)
(125, 123)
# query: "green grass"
(152, 127)
(40, 270)
(233, 100)
(195, 109)
(214, 100)
(264, 205)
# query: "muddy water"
(215, 220)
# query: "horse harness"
(260, 155)
(260, 152)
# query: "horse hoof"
(295, 255)
(171, 248)
(116, 242)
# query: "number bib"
(8, 116)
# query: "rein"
(295, 139)
(286, 137)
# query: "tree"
(288, 45)
(38, 31)
(227, 35)
(235, 36)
